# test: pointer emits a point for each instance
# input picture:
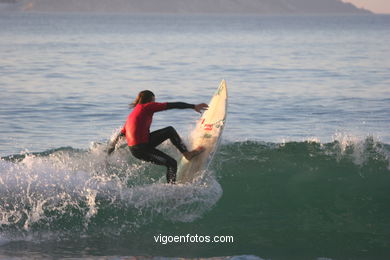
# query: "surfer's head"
(143, 97)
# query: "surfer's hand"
(110, 148)
(200, 107)
(111, 145)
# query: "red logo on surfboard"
(208, 127)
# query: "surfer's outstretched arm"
(182, 105)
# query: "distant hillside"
(184, 6)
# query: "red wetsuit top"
(137, 126)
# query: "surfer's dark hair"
(143, 97)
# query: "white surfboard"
(207, 133)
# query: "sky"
(376, 6)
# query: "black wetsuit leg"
(159, 136)
(148, 152)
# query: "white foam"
(181, 202)
(359, 147)
(65, 179)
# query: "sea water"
(303, 171)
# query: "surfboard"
(207, 133)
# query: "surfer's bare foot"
(191, 154)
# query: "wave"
(255, 187)
(67, 189)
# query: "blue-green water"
(303, 170)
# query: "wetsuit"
(143, 144)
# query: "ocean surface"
(303, 171)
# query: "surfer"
(142, 143)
